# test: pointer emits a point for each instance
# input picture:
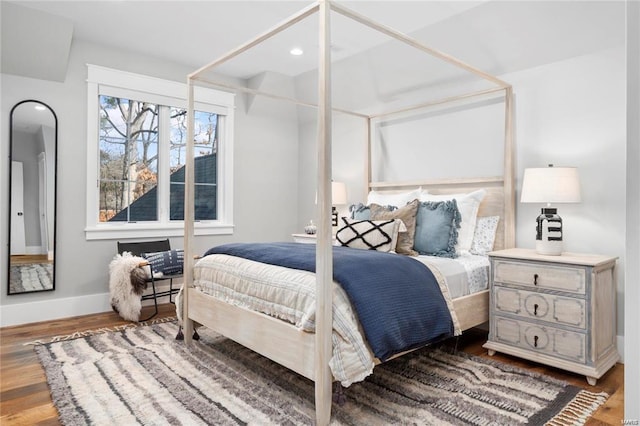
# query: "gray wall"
(265, 173)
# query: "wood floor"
(25, 399)
(29, 258)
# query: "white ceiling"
(497, 36)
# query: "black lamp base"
(549, 232)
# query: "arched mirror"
(32, 203)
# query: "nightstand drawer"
(540, 306)
(541, 339)
(559, 278)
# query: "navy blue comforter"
(396, 298)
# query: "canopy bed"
(309, 353)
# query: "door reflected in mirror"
(32, 201)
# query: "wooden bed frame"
(308, 353)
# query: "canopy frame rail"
(488, 180)
(437, 102)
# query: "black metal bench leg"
(155, 301)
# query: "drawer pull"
(535, 341)
(535, 279)
(535, 309)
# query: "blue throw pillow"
(360, 212)
(437, 224)
(169, 262)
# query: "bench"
(160, 248)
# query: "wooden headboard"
(499, 200)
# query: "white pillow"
(484, 235)
(398, 199)
(380, 235)
(468, 205)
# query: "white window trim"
(101, 80)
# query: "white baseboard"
(34, 250)
(53, 309)
(47, 310)
(620, 346)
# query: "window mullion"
(163, 165)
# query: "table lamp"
(338, 197)
(550, 185)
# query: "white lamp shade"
(550, 185)
(338, 193)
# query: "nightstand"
(555, 310)
(308, 239)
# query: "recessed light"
(296, 51)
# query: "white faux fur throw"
(179, 308)
(179, 305)
(126, 284)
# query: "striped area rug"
(141, 375)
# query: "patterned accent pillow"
(407, 215)
(169, 262)
(437, 225)
(380, 235)
(484, 235)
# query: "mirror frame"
(55, 198)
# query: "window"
(136, 154)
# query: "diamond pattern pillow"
(380, 235)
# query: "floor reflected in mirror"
(30, 273)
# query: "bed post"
(187, 324)
(368, 172)
(324, 252)
(509, 171)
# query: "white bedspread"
(289, 294)
(466, 274)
